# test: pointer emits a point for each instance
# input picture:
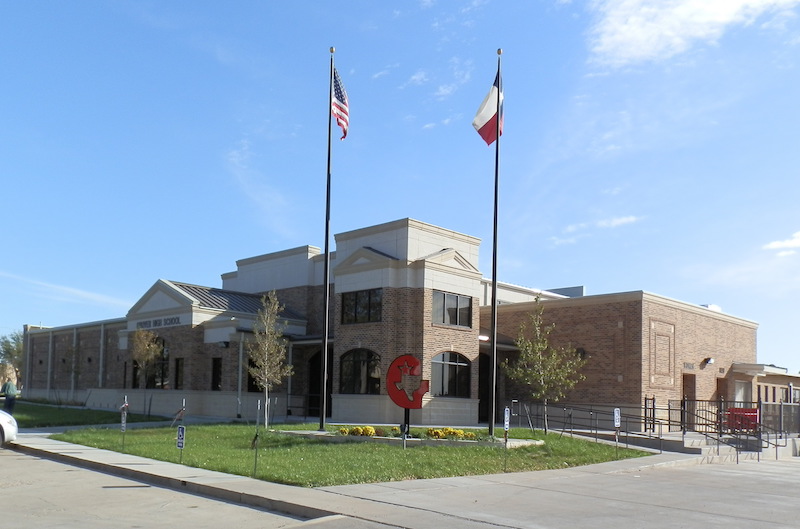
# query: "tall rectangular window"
(452, 309)
(362, 306)
(179, 373)
(216, 374)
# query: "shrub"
(344, 431)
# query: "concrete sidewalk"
(618, 492)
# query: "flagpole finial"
(499, 51)
(333, 50)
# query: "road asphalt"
(662, 490)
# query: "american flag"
(340, 106)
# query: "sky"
(647, 145)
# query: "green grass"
(31, 415)
(295, 460)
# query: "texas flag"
(485, 121)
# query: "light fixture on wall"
(224, 345)
(709, 360)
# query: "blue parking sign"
(181, 436)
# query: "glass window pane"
(450, 375)
(360, 372)
(438, 307)
(465, 311)
(362, 306)
(375, 302)
(348, 307)
(451, 309)
(437, 385)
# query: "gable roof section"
(218, 299)
(366, 258)
(228, 300)
(206, 298)
(449, 257)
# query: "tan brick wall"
(406, 328)
(692, 334)
(77, 358)
(640, 345)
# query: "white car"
(8, 428)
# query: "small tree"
(11, 350)
(545, 371)
(145, 348)
(268, 350)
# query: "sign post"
(506, 423)
(181, 440)
(406, 388)
(123, 419)
(617, 425)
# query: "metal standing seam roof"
(224, 300)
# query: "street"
(39, 493)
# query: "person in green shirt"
(9, 389)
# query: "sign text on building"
(159, 322)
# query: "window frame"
(453, 310)
(362, 306)
(362, 362)
(451, 375)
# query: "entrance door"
(689, 399)
(314, 384)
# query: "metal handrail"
(708, 423)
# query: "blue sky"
(647, 145)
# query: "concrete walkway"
(662, 490)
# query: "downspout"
(289, 382)
(102, 355)
(74, 355)
(239, 381)
(49, 363)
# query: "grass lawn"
(295, 460)
(32, 415)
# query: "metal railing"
(743, 426)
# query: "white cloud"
(445, 90)
(793, 242)
(69, 294)
(635, 31)
(617, 221)
(613, 222)
(420, 77)
(272, 203)
(461, 72)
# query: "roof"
(227, 300)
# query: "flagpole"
(323, 393)
(492, 410)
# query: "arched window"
(450, 375)
(360, 372)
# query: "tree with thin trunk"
(11, 350)
(267, 351)
(546, 372)
(145, 348)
